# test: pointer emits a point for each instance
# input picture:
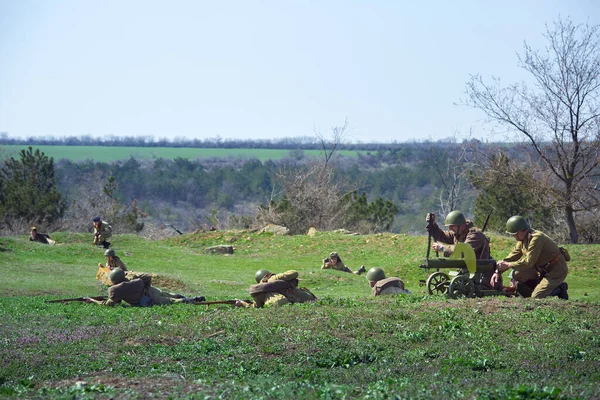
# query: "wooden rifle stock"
(100, 298)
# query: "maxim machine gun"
(465, 276)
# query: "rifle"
(82, 299)
(208, 303)
(487, 219)
(429, 224)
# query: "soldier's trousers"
(530, 284)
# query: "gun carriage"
(464, 278)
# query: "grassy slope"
(347, 345)
(111, 154)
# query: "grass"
(111, 154)
(348, 345)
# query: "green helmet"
(515, 224)
(260, 274)
(117, 275)
(109, 252)
(455, 218)
(375, 274)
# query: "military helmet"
(455, 218)
(109, 252)
(333, 254)
(260, 274)
(515, 224)
(375, 274)
(117, 275)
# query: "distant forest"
(296, 143)
(418, 177)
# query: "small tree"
(560, 117)
(28, 189)
(510, 189)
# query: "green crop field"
(347, 345)
(111, 154)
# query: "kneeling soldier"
(539, 264)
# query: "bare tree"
(559, 117)
(311, 196)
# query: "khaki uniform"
(102, 233)
(116, 263)
(292, 295)
(135, 287)
(388, 286)
(473, 237)
(529, 258)
(339, 266)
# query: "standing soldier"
(138, 291)
(102, 231)
(381, 285)
(335, 262)
(461, 230)
(539, 265)
(276, 290)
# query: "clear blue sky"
(260, 69)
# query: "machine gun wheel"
(461, 286)
(437, 283)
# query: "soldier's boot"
(361, 270)
(106, 244)
(564, 291)
(561, 291)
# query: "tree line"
(550, 174)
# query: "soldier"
(276, 290)
(39, 237)
(335, 262)
(381, 285)
(112, 261)
(461, 230)
(138, 291)
(539, 265)
(102, 231)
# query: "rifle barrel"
(207, 303)
(75, 299)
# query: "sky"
(244, 69)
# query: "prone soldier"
(35, 236)
(276, 290)
(138, 291)
(382, 286)
(335, 262)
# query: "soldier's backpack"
(281, 287)
(385, 283)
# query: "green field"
(347, 345)
(111, 154)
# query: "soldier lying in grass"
(276, 290)
(381, 285)
(137, 291)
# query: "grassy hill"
(347, 345)
(110, 154)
